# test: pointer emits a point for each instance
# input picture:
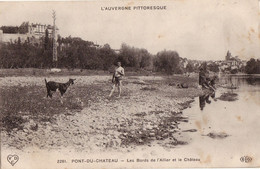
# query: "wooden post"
(54, 52)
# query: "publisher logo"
(12, 159)
(246, 159)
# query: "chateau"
(232, 61)
(29, 32)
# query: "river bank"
(149, 111)
(153, 120)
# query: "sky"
(196, 29)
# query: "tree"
(167, 61)
(190, 67)
(108, 56)
(213, 67)
(46, 40)
(253, 66)
(10, 29)
(23, 28)
(19, 42)
(145, 60)
(134, 57)
(126, 55)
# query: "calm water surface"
(238, 120)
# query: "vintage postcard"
(129, 84)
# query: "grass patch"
(11, 122)
(31, 101)
(148, 88)
(47, 72)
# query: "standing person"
(117, 79)
(202, 78)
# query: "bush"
(134, 57)
(253, 66)
(234, 71)
(167, 61)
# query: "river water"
(226, 130)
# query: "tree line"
(15, 29)
(74, 53)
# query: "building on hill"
(30, 32)
(228, 56)
(231, 63)
(38, 30)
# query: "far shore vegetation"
(75, 53)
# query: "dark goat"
(53, 86)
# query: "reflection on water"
(229, 118)
(206, 99)
(232, 84)
(240, 80)
(252, 81)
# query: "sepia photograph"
(129, 84)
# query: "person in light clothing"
(117, 79)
